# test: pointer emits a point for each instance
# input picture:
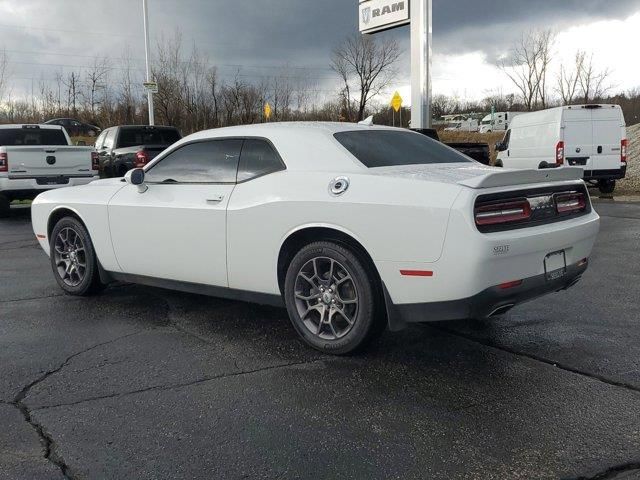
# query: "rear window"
(387, 148)
(131, 137)
(31, 136)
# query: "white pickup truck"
(35, 158)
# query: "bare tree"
(593, 82)
(281, 95)
(568, 80)
(366, 66)
(95, 84)
(528, 67)
(72, 83)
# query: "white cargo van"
(498, 122)
(592, 137)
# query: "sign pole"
(148, 60)
(421, 35)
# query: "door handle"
(215, 199)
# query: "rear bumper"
(614, 174)
(492, 301)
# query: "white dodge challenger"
(351, 227)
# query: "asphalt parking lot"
(145, 383)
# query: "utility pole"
(148, 60)
(421, 35)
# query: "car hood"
(477, 175)
(107, 182)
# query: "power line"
(136, 59)
(49, 29)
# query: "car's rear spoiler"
(506, 177)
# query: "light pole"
(147, 56)
(421, 34)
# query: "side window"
(258, 158)
(213, 161)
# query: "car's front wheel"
(73, 259)
(332, 298)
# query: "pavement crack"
(50, 450)
(173, 323)
(538, 358)
(27, 299)
(611, 472)
(198, 381)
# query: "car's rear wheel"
(332, 298)
(606, 186)
(73, 259)
(5, 206)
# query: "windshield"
(131, 137)
(387, 148)
(32, 136)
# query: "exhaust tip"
(502, 310)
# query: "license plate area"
(555, 265)
(61, 180)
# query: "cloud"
(48, 36)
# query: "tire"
(5, 207)
(606, 186)
(350, 302)
(71, 247)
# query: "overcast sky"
(43, 37)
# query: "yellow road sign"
(396, 102)
(267, 111)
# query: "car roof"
(305, 146)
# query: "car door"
(177, 229)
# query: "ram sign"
(378, 15)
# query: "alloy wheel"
(70, 257)
(326, 298)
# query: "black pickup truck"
(125, 147)
(480, 152)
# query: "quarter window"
(214, 161)
(258, 158)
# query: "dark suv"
(75, 128)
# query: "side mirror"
(136, 177)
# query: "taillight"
(503, 212)
(571, 203)
(560, 153)
(4, 162)
(141, 158)
(95, 161)
(624, 147)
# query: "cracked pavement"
(146, 383)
